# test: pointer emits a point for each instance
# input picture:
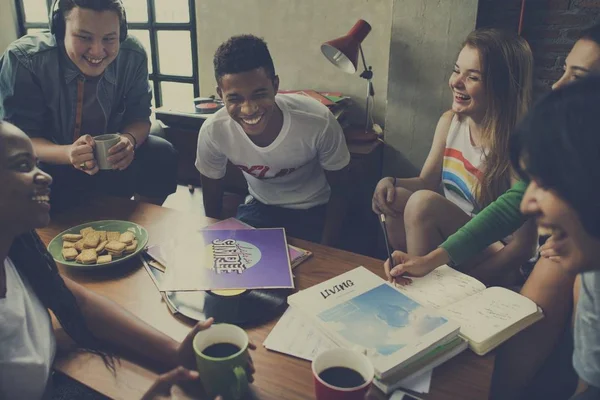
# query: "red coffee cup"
(342, 374)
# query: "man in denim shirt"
(84, 79)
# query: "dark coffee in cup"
(221, 350)
(342, 377)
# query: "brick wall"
(550, 26)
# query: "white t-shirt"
(290, 171)
(27, 344)
(463, 166)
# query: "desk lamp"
(343, 53)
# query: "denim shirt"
(38, 88)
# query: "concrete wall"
(412, 48)
(426, 38)
(294, 31)
(8, 24)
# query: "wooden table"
(278, 376)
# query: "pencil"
(385, 237)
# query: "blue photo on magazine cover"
(381, 320)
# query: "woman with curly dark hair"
(30, 285)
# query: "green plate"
(141, 235)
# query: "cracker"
(68, 245)
(87, 230)
(71, 237)
(115, 247)
(79, 245)
(132, 247)
(88, 256)
(104, 259)
(101, 247)
(115, 254)
(110, 236)
(102, 236)
(127, 238)
(69, 254)
(91, 240)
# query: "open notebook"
(487, 317)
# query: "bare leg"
(520, 358)
(395, 225)
(151, 200)
(429, 219)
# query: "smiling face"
(466, 82)
(249, 98)
(579, 251)
(92, 39)
(24, 198)
(583, 60)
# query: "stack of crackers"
(97, 247)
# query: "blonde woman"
(469, 158)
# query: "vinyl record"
(208, 108)
(246, 307)
(207, 105)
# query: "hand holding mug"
(187, 357)
(122, 152)
(223, 361)
(81, 155)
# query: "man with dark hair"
(83, 79)
(290, 148)
(557, 147)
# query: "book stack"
(409, 330)
(337, 103)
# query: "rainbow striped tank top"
(462, 167)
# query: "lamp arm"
(367, 73)
(362, 56)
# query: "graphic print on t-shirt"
(260, 171)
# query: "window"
(166, 28)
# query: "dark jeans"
(302, 224)
(152, 174)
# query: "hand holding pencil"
(389, 263)
(400, 266)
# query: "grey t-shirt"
(93, 121)
(586, 357)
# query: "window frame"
(153, 28)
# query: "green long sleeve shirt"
(496, 221)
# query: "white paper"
(297, 336)
(490, 312)
(441, 287)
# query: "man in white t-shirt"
(290, 148)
